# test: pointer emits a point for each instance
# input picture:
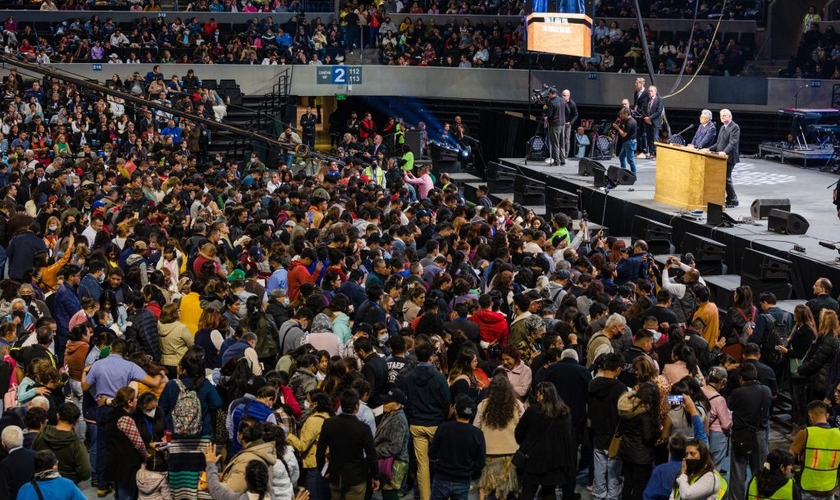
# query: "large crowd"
(461, 42)
(178, 325)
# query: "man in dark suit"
(307, 126)
(706, 133)
(640, 100)
(18, 467)
(727, 145)
(352, 454)
(653, 119)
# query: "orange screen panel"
(567, 34)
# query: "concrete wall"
(481, 84)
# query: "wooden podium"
(688, 178)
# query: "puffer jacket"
(286, 475)
(817, 362)
(175, 341)
(233, 476)
(638, 429)
(144, 330)
(307, 443)
(152, 485)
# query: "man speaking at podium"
(706, 133)
(727, 144)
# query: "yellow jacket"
(191, 311)
(308, 440)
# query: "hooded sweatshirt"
(602, 401)
(74, 357)
(492, 326)
(73, 460)
(233, 476)
(175, 341)
(152, 485)
(428, 395)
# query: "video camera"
(540, 95)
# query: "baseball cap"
(464, 406)
(256, 252)
(562, 274)
(237, 274)
(423, 213)
(395, 396)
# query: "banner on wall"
(558, 33)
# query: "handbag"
(386, 468)
(615, 443)
(520, 458)
(795, 363)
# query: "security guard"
(818, 447)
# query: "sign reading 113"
(343, 75)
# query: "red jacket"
(298, 275)
(492, 326)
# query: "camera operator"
(686, 302)
(633, 267)
(555, 120)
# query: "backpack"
(774, 332)
(186, 416)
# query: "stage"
(808, 191)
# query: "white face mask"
(150, 413)
(383, 339)
(286, 302)
(53, 228)
(306, 405)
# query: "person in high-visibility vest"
(698, 479)
(818, 448)
(775, 479)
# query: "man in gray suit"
(727, 145)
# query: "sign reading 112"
(339, 75)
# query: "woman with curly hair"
(497, 417)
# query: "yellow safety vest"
(721, 490)
(783, 493)
(822, 458)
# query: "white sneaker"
(548, 161)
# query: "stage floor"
(808, 190)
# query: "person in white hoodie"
(152, 480)
(286, 469)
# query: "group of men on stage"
(648, 106)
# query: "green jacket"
(73, 460)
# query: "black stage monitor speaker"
(647, 229)
(761, 207)
(704, 249)
(764, 266)
(585, 166)
(709, 255)
(599, 173)
(527, 191)
(414, 139)
(781, 289)
(470, 191)
(558, 200)
(588, 166)
(500, 178)
(780, 221)
(656, 235)
(621, 176)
